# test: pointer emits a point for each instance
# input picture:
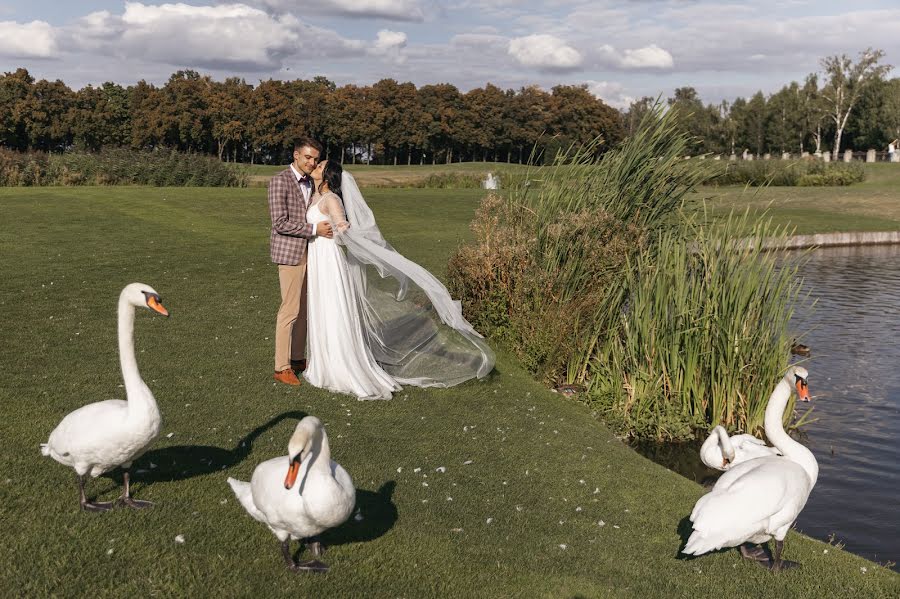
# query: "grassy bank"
(873, 205)
(521, 519)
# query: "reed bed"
(597, 275)
(702, 334)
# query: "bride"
(376, 320)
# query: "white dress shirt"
(305, 188)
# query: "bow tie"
(304, 179)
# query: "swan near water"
(323, 498)
(760, 498)
(101, 436)
(305, 493)
(722, 452)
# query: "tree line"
(851, 105)
(384, 123)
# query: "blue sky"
(620, 49)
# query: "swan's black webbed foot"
(778, 564)
(135, 504)
(97, 506)
(91, 506)
(754, 552)
(781, 565)
(312, 565)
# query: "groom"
(289, 194)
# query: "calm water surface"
(854, 378)
(854, 375)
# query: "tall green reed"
(703, 334)
(641, 184)
(596, 270)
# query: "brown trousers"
(290, 326)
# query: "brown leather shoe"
(287, 377)
(298, 365)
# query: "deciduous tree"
(846, 82)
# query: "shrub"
(552, 247)
(786, 173)
(450, 181)
(118, 166)
(594, 273)
(464, 180)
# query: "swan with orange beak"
(104, 435)
(760, 499)
(301, 495)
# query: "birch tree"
(846, 80)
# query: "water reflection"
(854, 374)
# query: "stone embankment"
(798, 242)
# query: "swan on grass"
(759, 499)
(323, 498)
(722, 452)
(107, 434)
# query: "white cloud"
(721, 48)
(392, 10)
(226, 36)
(705, 36)
(545, 52)
(37, 39)
(388, 39)
(651, 57)
(390, 44)
(611, 92)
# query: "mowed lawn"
(401, 175)
(534, 497)
(873, 205)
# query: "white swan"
(104, 435)
(323, 499)
(722, 452)
(761, 498)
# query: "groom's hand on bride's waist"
(323, 229)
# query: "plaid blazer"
(287, 207)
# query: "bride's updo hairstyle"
(331, 175)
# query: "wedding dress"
(377, 320)
(339, 358)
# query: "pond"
(854, 377)
(855, 373)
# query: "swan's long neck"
(777, 436)
(139, 397)
(322, 458)
(319, 461)
(725, 443)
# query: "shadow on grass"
(181, 462)
(374, 515)
(684, 530)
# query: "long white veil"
(415, 330)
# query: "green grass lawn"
(400, 175)
(538, 499)
(873, 205)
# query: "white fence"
(845, 156)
